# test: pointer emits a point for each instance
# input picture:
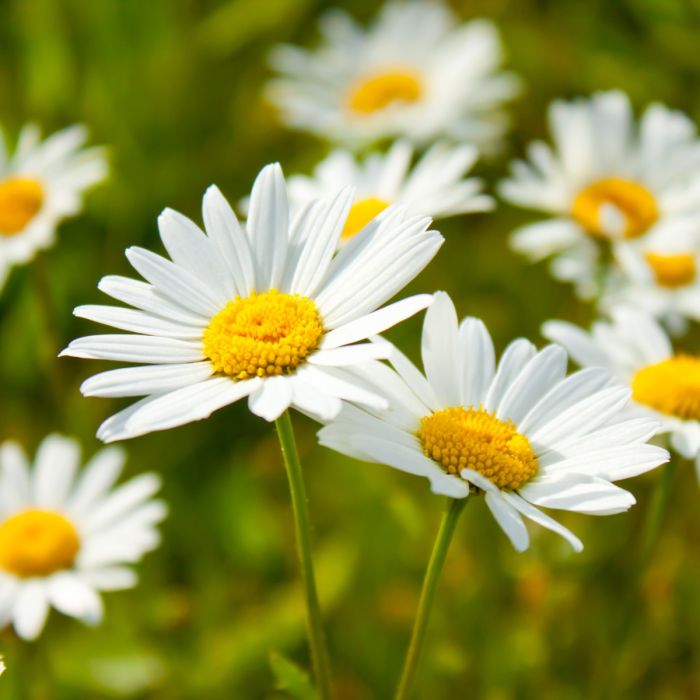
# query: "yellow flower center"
(37, 543)
(672, 270)
(376, 92)
(466, 438)
(361, 213)
(263, 335)
(20, 200)
(634, 201)
(671, 386)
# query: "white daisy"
(519, 430)
(636, 349)
(270, 312)
(434, 187)
(662, 277)
(416, 72)
(65, 537)
(42, 183)
(604, 180)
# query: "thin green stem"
(658, 508)
(430, 582)
(317, 641)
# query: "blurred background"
(173, 87)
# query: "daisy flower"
(42, 183)
(606, 179)
(636, 349)
(435, 186)
(268, 312)
(65, 537)
(518, 430)
(416, 72)
(660, 277)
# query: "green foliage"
(291, 678)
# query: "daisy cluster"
(284, 307)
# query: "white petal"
(149, 379)
(99, 475)
(138, 321)
(509, 519)
(71, 596)
(185, 405)
(30, 610)
(175, 282)
(579, 493)
(226, 233)
(476, 360)
(191, 250)
(375, 322)
(541, 374)
(144, 349)
(272, 398)
(268, 225)
(349, 355)
(335, 382)
(56, 463)
(564, 395)
(439, 349)
(115, 578)
(540, 518)
(16, 491)
(514, 358)
(320, 243)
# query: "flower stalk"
(430, 583)
(317, 640)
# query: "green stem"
(317, 641)
(658, 508)
(430, 582)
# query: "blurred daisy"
(434, 187)
(269, 312)
(63, 537)
(636, 349)
(519, 430)
(416, 72)
(605, 180)
(41, 184)
(660, 277)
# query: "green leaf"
(291, 678)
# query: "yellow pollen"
(672, 270)
(37, 543)
(20, 200)
(671, 386)
(377, 92)
(361, 213)
(467, 438)
(263, 335)
(632, 200)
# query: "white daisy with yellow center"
(637, 350)
(65, 536)
(42, 183)
(269, 311)
(661, 277)
(605, 180)
(435, 186)
(415, 73)
(518, 430)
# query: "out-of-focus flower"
(519, 430)
(416, 72)
(268, 312)
(661, 276)
(41, 183)
(435, 186)
(635, 348)
(63, 537)
(605, 180)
